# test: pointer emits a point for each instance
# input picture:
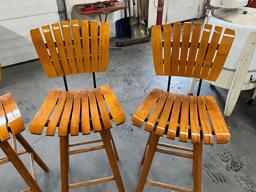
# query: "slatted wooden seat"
(188, 50)
(77, 47)
(11, 127)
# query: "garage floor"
(226, 168)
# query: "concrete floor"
(226, 168)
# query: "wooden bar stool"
(195, 52)
(81, 47)
(11, 126)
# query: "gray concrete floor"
(229, 167)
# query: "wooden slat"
(145, 107)
(223, 50)
(172, 128)
(94, 45)
(167, 49)
(204, 121)
(113, 105)
(75, 120)
(65, 119)
(54, 122)
(86, 128)
(212, 47)
(77, 45)
(193, 49)
(184, 48)
(184, 119)
(61, 48)
(202, 50)
(52, 49)
(14, 119)
(42, 53)
(156, 112)
(157, 49)
(103, 109)
(194, 121)
(175, 48)
(161, 126)
(43, 114)
(4, 135)
(96, 124)
(103, 46)
(86, 45)
(219, 125)
(69, 46)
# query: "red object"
(160, 12)
(252, 4)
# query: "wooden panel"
(219, 125)
(54, 122)
(52, 49)
(193, 48)
(194, 121)
(160, 130)
(94, 112)
(202, 50)
(171, 134)
(175, 49)
(65, 119)
(184, 48)
(77, 45)
(4, 135)
(103, 109)
(157, 49)
(204, 121)
(14, 119)
(104, 46)
(211, 52)
(61, 48)
(167, 49)
(86, 45)
(42, 53)
(69, 46)
(85, 117)
(94, 45)
(184, 119)
(75, 120)
(156, 112)
(223, 50)
(41, 117)
(113, 105)
(146, 106)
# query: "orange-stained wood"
(184, 119)
(96, 124)
(4, 135)
(94, 45)
(103, 46)
(194, 121)
(75, 119)
(85, 121)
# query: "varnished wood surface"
(72, 47)
(182, 116)
(190, 49)
(70, 113)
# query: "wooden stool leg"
(114, 146)
(112, 159)
(153, 141)
(64, 163)
(145, 150)
(12, 156)
(28, 147)
(197, 166)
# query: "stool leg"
(197, 166)
(12, 156)
(153, 141)
(64, 163)
(114, 146)
(28, 147)
(145, 150)
(112, 159)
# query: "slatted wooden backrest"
(74, 47)
(190, 50)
